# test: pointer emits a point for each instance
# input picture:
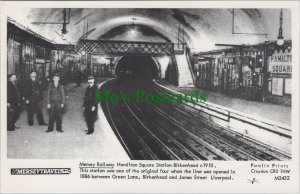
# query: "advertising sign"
(281, 62)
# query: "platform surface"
(278, 113)
(32, 142)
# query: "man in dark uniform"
(90, 105)
(55, 103)
(33, 98)
(13, 103)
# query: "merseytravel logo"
(40, 171)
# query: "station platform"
(32, 142)
(278, 113)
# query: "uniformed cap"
(91, 77)
(56, 75)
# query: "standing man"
(55, 104)
(13, 102)
(90, 105)
(33, 98)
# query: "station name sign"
(281, 62)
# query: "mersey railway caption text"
(154, 171)
(145, 165)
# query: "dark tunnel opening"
(137, 67)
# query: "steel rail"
(249, 139)
(181, 145)
(237, 116)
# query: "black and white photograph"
(159, 84)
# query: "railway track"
(185, 140)
(139, 141)
(253, 149)
(173, 132)
(131, 142)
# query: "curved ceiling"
(203, 27)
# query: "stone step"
(184, 73)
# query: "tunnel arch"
(178, 66)
(176, 69)
(138, 67)
(166, 33)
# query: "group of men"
(32, 94)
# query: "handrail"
(188, 56)
(174, 63)
(229, 113)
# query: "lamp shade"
(64, 36)
(280, 41)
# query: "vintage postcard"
(149, 96)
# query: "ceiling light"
(64, 29)
(280, 42)
(280, 39)
(132, 31)
(64, 36)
